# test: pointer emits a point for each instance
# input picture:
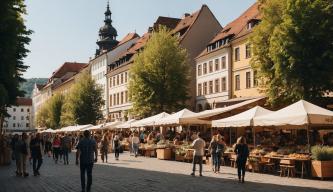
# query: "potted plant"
(322, 161)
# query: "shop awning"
(183, 117)
(244, 119)
(125, 125)
(49, 131)
(74, 128)
(219, 111)
(300, 113)
(149, 121)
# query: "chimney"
(150, 29)
(186, 15)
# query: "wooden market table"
(303, 162)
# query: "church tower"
(107, 34)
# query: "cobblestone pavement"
(149, 174)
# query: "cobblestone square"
(149, 174)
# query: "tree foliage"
(293, 50)
(159, 76)
(50, 113)
(14, 36)
(43, 116)
(83, 103)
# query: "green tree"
(43, 116)
(293, 50)
(55, 107)
(159, 76)
(84, 102)
(14, 36)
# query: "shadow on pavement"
(56, 178)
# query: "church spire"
(108, 15)
(107, 34)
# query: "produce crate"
(164, 154)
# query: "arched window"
(207, 107)
(199, 107)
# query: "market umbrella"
(149, 121)
(183, 117)
(126, 124)
(244, 119)
(299, 114)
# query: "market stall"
(244, 119)
(75, 128)
(301, 114)
(125, 125)
(149, 121)
(183, 117)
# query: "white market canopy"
(243, 119)
(217, 111)
(149, 121)
(298, 114)
(125, 125)
(111, 125)
(74, 128)
(183, 117)
(49, 131)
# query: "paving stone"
(149, 174)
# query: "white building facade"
(98, 68)
(213, 84)
(20, 116)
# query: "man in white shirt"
(135, 142)
(198, 145)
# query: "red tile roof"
(169, 22)
(237, 27)
(40, 86)
(24, 101)
(174, 24)
(187, 21)
(68, 67)
(128, 37)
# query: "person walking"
(213, 149)
(17, 153)
(116, 145)
(66, 147)
(36, 153)
(135, 144)
(12, 144)
(219, 151)
(85, 157)
(242, 152)
(24, 154)
(56, 148)
(105, 148)
(198, 145)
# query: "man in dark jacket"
(85, 155)
(36, 153)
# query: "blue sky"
(67, 30)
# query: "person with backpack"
(116, 146)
